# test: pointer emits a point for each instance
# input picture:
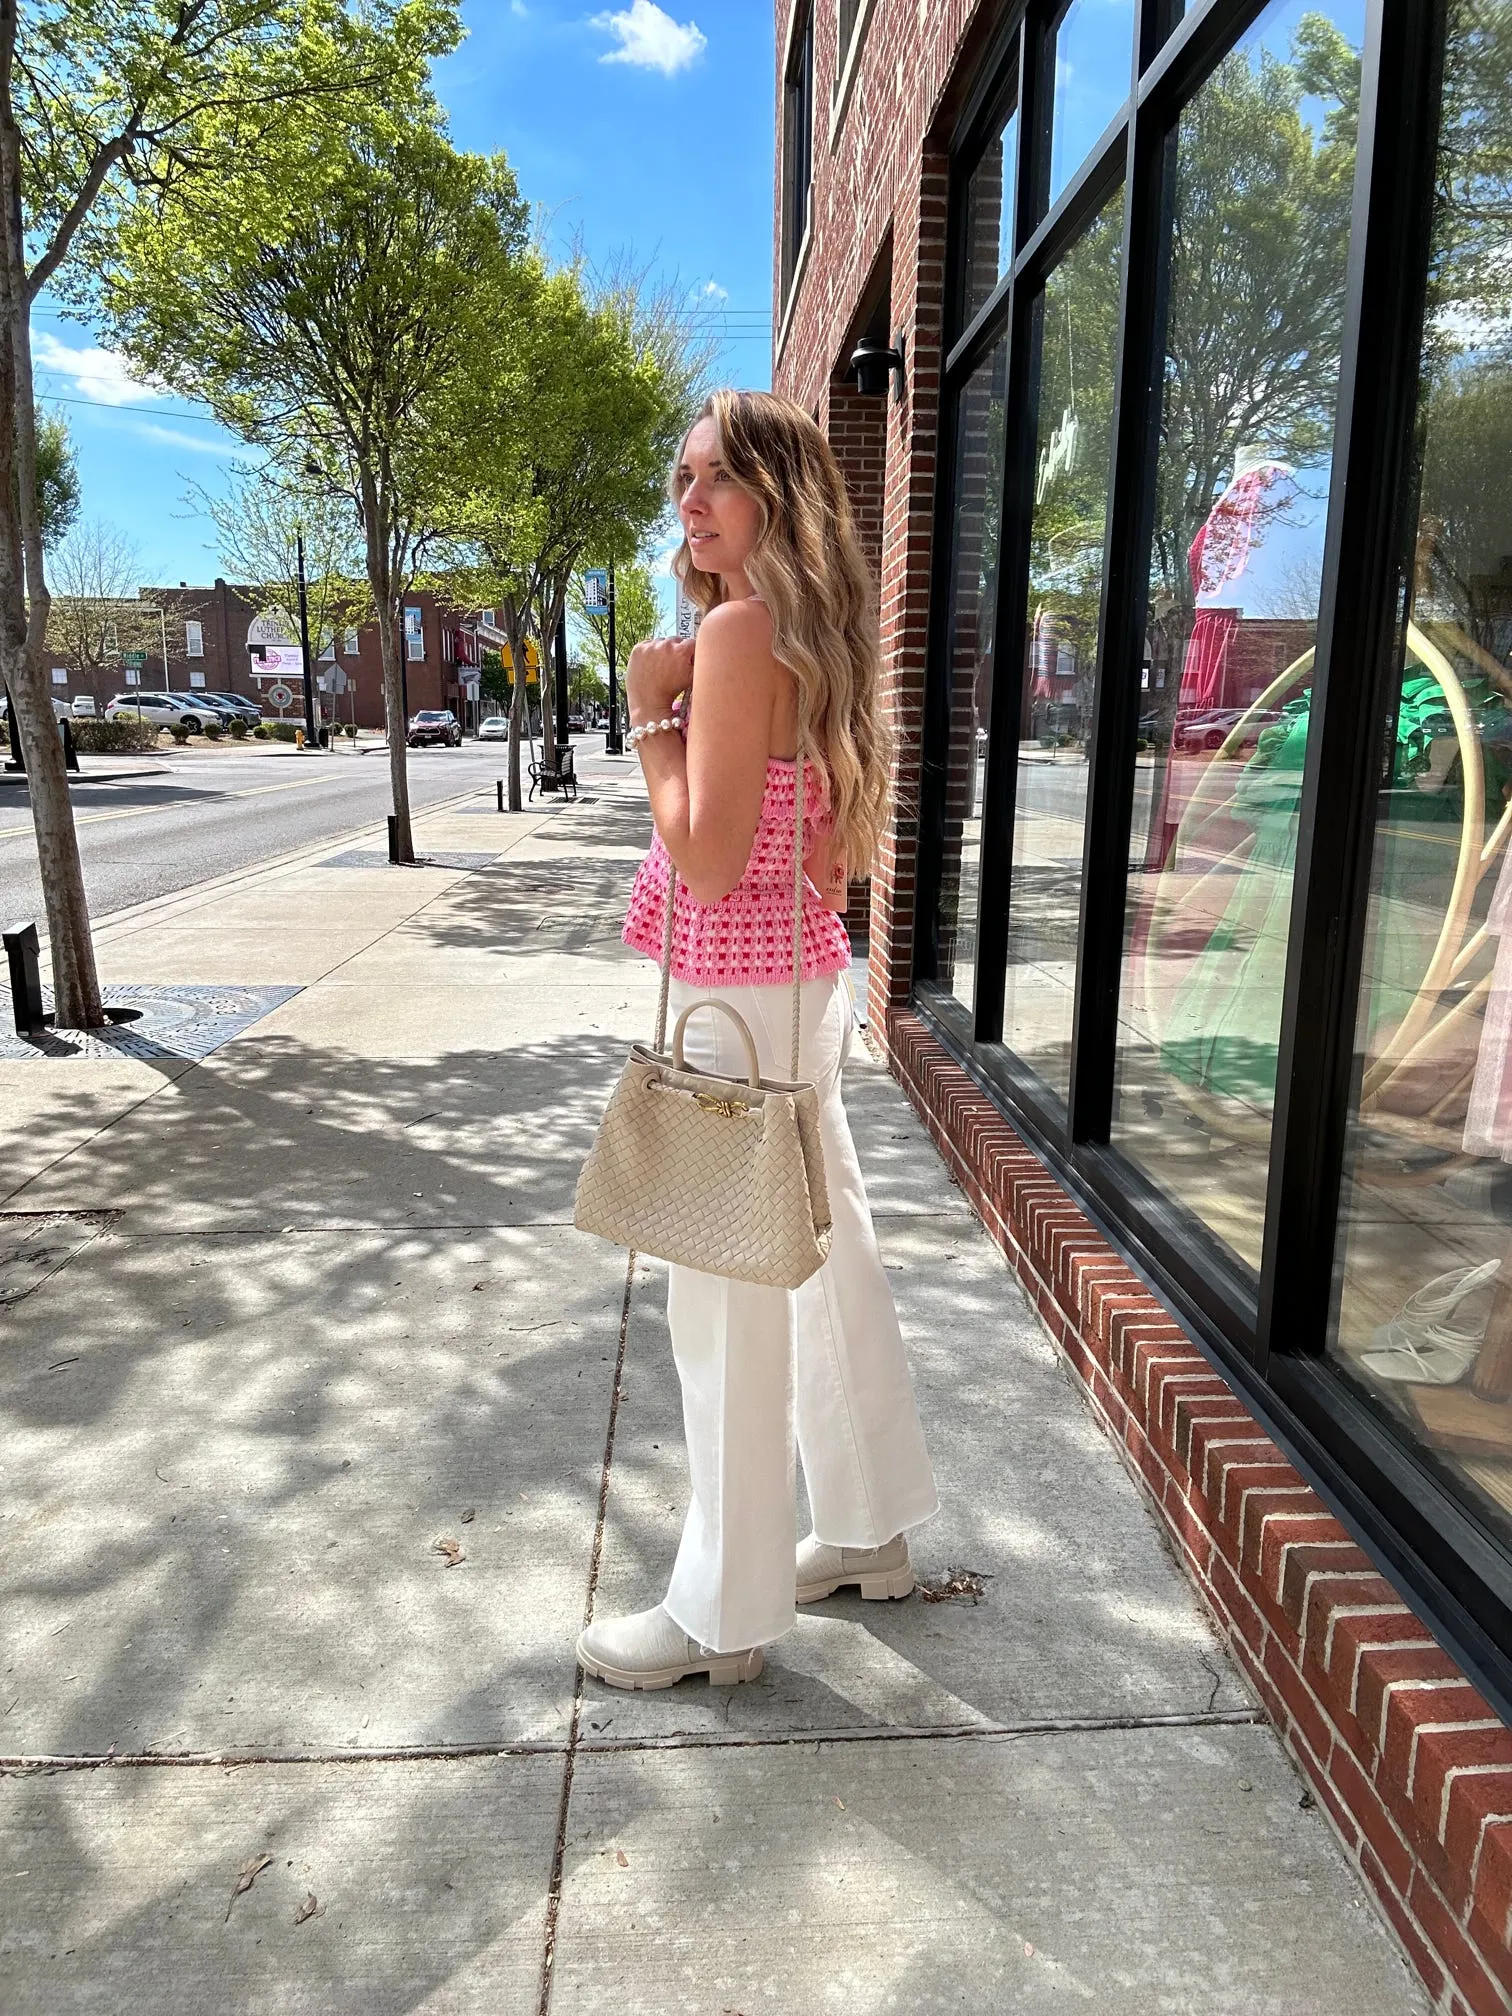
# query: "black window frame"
(797, 141)
(1266, 1332)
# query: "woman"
(788, 639)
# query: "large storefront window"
(990, 193)
(1265, 166)
(1077, 330)
(1094, 47)
(1424, 1320)
(974, 572)
(1250, 736)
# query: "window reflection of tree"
(1261, 236)
(1078, 344)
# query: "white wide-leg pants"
(754, 1362)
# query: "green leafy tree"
(58, 495)
(562, 451)
(637, 615)
(329, 304)
(106, 105)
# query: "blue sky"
(645, 131)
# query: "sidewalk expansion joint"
(559, 1850)
(618, 1746)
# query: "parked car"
(198, 713)
(435, 724)
(495, 728)
(185, 710)
(236, 704)
(83, 708)
(158, 708)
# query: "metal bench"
(559, 776)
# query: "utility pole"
(613, 742)
(561, 679)
(304, 645)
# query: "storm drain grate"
(181, 1020)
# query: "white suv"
(166, 710)
(158, 708)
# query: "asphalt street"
(202, 815)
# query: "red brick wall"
(1405, 1757)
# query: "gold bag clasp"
(728, 1109)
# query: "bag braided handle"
(800, 784)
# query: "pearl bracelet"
(651, 728)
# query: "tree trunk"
(380, 581)
(23, 618)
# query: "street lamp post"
(304, 644)
(563, 732)
(613, 741)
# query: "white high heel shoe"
(1420, 1345)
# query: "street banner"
(596, 591)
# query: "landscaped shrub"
(238, 729)
(180, 732)
(350, 731)
(281, 731)
(263, 732)
(213, 730)
(115, 738)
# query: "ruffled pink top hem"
(746, 939)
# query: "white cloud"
(95, 374)
(650, 38)
(714, 292)
(175, 437)
(519, 10)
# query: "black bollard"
(393, 826)
(25, 979)
(499, 791)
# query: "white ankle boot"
(648, 1650)
(878, 1572)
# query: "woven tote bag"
(722, 1174)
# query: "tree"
(260, 519)
(585, 687)
(102, 105)
(94, 610)
(637, 615)
(328, 304)
(58, 497)
(1263, 197)
(567, 441)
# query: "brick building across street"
(212, 637)
(1184, 937)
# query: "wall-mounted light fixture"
(873, 363)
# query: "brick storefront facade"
(1405, 1756)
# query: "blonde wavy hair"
(808, 568)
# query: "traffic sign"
(136, 659)
(280, 697)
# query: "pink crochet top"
(746, 938)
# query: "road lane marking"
(145, 811)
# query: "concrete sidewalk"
(277, 1323)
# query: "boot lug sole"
(890, 1586)
(721, 1672)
